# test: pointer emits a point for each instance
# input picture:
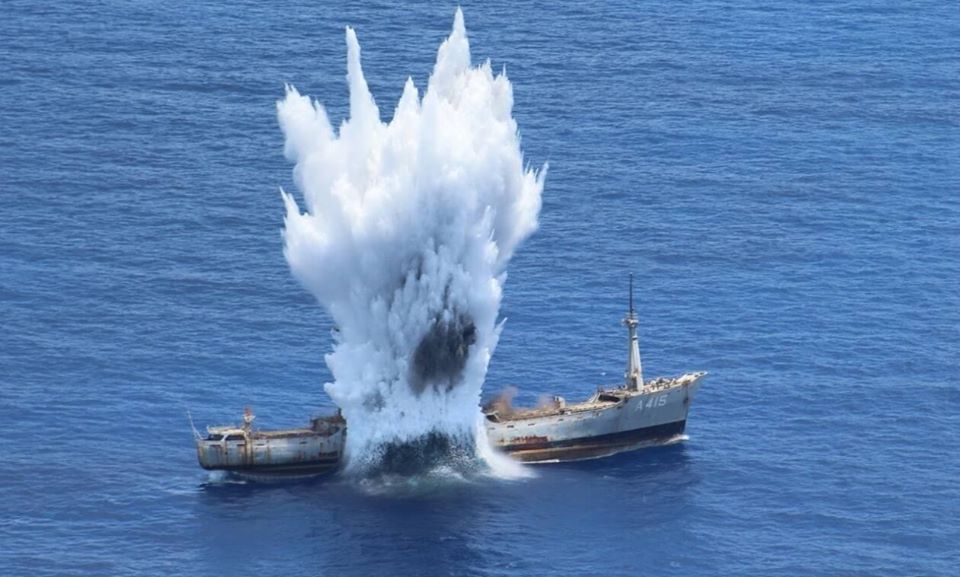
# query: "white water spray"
(408, 229)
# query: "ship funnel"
(634, 374)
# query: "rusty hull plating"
(253, 453)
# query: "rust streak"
(529, 440)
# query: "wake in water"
(408, 229)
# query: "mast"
(634, 374)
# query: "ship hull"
(581, 449)
(635, 419)
(281, 471)
(273, 454)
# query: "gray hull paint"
(296, 453)
(639, 419)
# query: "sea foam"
(408, 229)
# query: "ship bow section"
(612, 421)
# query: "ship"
(624, 417)
(631, 415)
(258, 454)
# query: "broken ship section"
(611, 421)
(305, 452)
(633, 415)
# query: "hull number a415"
(655, 401)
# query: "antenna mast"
(634, 374)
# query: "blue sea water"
(783, 178)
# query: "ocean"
(783, 179)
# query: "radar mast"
(634, 374)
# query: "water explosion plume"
(408, 229)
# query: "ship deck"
(601, 400)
